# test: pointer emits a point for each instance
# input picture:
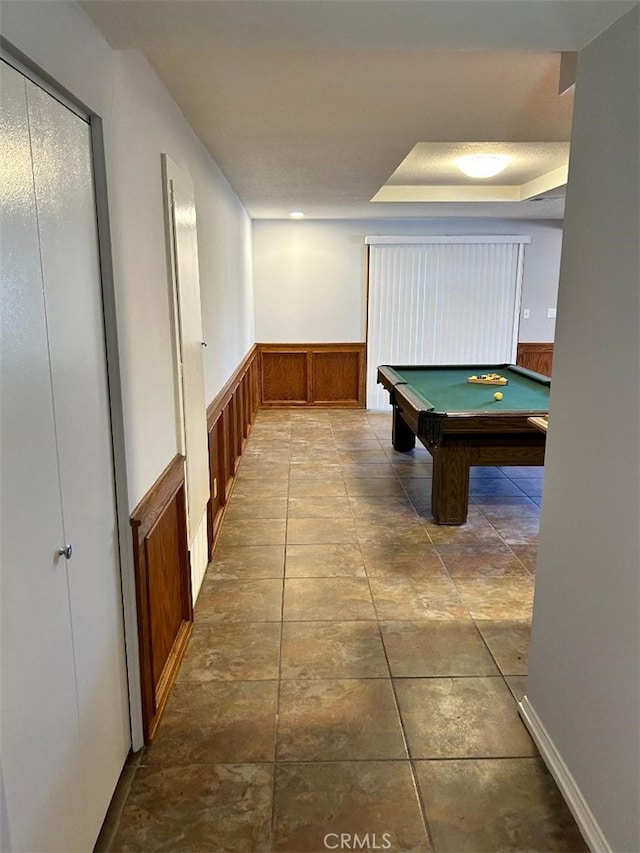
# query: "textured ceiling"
(313, 104)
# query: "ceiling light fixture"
(296, 214)
(482, 165)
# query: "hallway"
(352, 676)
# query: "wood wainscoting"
(163, 589)
(538, 357)
(229, 419)
(312, 374)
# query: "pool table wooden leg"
(402, 437)
(450, 489)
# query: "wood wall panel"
(336, 377)
(285, 377)
(229, 419)
(312, 374)
(538, 357)
(163, 589)
(165, 585)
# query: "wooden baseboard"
(312, 374)
(537, 357)
(163, 589)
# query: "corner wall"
(584, 666)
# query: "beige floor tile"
(349, 441)
(198, 807)
(508, 641)
(216, 723)
(309, 561)
(311, 487)
(232, 651)
(327, 599)
(240, 601)
(244, 562)
(240, 508)
(315, 457)
(382, 486)
(267, 453)
(323, 650)
(528, 554)
(346, 719)
(319, 507)
(477, 531)
(381, 509)
(331, 529)
(461, 718)
(497, 598)
(496, 512)
(504, 804)
(253, 531)
(262, 470)
(418, 470)
(484, 563)
(416, 598)
(253, 489)
(317, 804)
(518, 531)
(316, 531)
(387, 561)
(401, 532)
(314, 471)
(363, 457)
(436, 648)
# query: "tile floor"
(352, 676)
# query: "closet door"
(40, 759)
(65, 732)
(65, 201)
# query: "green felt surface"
(447, 389)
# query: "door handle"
(65, 552)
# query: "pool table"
(462, 424)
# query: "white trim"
(569, 788)
(125, 539)
(171, 173)
(40, 79)
(485, 238)
(198, 549)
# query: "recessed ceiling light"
(296, 214)
(482, 165)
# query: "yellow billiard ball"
(498, 395)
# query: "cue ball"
(498, 395)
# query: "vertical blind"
(444, 300)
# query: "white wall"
(584, 669)
(140, 122)
(311, 276)
(145, 123)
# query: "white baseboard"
(198, 550)
(579, 807)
